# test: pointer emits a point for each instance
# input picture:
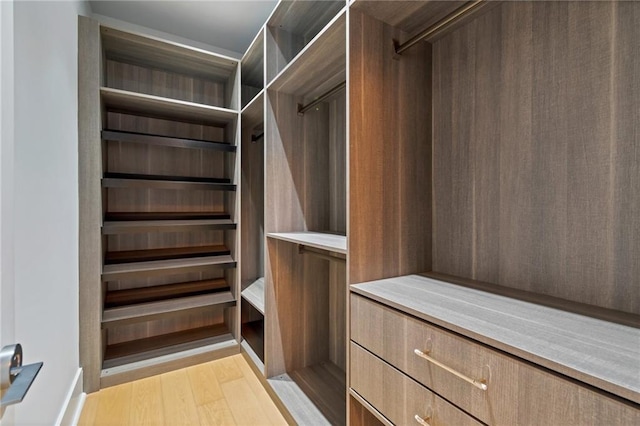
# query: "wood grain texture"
(606, 359)
(397, 396)
(177, 395)
(535, 153)
(146, 402)
(408, 16)
(90, 201)
(389, 154)
(252, 68)
(361, 413)
(304, 18)
(298, 190)
(319, 67)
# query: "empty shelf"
(163, 292)
(253, 333)
(136, 350)
(116, 135)
(130, 180)
(254, 294)
(130, 256)
(144, 216)
(330, 242)
(138, 226)
(156, 310)
(117, 100)
(314, 395)
(165, 267)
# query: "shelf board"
(254, 294)
(313, 395)
(144, 138)
(162, 54)
(252, 68)
(302, 18)
(141, 349)
(117, 100)
(257, 362)
(253, 112)
(330, 242)
(164, 216)
(139, 226)
(165, 308)
(319, 67)
(117, 298)
(253, 333)
(165, 267)
(550, 337)
(131, 256)
(131, 180)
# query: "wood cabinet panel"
(398, 397)
(517, 392)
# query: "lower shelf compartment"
(314, 395)
(253, 333)
(135, 216)
(130, 256)
(151, 347)
(134, 296)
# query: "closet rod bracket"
(304, 108)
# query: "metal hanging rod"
(302, 249)
(437, 26)
(302, 109)
(255, 138)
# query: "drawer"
(516, 391)
(398, 397)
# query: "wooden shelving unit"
(330, 242)
(166, 159)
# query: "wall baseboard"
(73, 403)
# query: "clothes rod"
(302, 249)
(305, 108)
(257, 138)
(437, 26)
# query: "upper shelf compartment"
(144, 65)
(320, 66)
(252, 77)
(293, 25)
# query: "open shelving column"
(166, 158)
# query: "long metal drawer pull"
(423, 422)
(476, 383)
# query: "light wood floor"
(221, 392)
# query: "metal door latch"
(15, 378)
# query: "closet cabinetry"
(164, 154)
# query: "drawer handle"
(423, 422)
(476, 383)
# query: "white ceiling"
(231, 25)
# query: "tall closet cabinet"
(400, 212)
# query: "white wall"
(46, 200)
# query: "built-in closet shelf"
(158, 107)
(130, 180)
(164, 216)
(254, 294)
(165, 267)
(319, 67)
(142, 226)
(158, 140)
(257, 362)
(330, 242)
(253, 333)
(152, 52)
(119, 298)
(122, 315)
(132, 256)
(253, 112)
(313, 395)
(170, 344)
(597, 352)
(252, 69)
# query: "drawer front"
(398, 397)
(516, 393)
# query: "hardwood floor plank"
(204, 385)
(226, 370)
(179, 404)
(114, 406)
(215, 413)
(146, 402)
(243, 403)
(89, 410)
(271, 411)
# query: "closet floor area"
(220, 392)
